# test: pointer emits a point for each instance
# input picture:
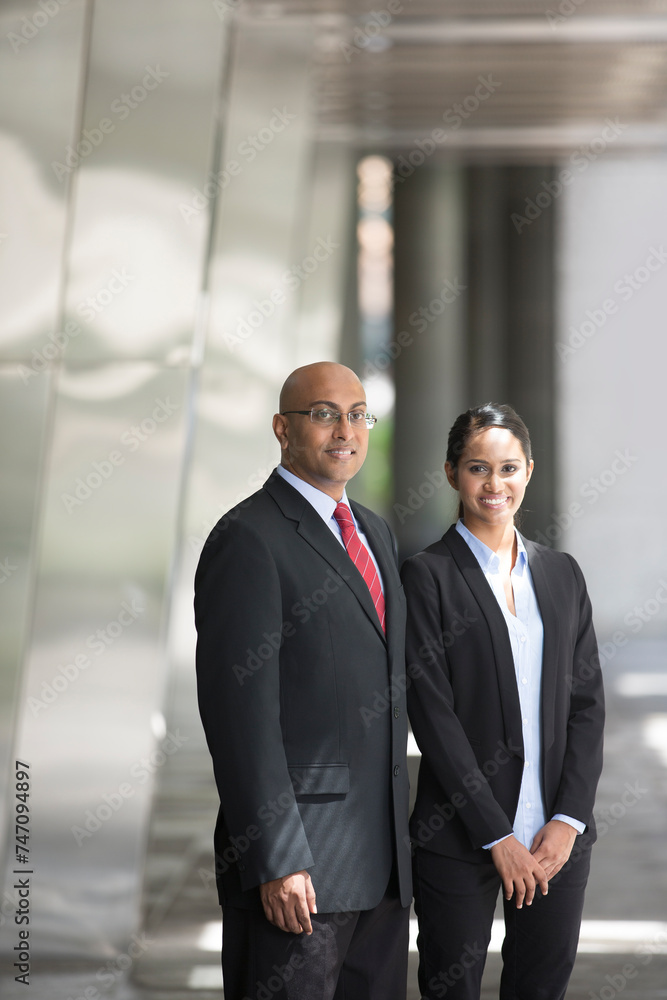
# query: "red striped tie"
(359, 555)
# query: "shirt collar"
(322, 502)
(486, 557)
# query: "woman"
(506, 704)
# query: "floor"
(623, 949)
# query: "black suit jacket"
(464, 704)
(303, 703)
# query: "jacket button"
(397, 771)
(397, 711)
(241, 867)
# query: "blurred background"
(463, 201)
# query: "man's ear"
(280, 429)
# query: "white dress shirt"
(526, 635)
(325, 507)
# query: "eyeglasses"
(327, 418)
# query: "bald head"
(299, 387)
(326, 456)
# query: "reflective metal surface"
(255, 275)
(150, 99)
(41, 73)
(94, 673)
(257, 272)
(23, 405)
(41, 77)
(107, 134)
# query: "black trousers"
(362, 955)
(455, 903)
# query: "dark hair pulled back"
(478, 418)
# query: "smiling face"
(491, 477)
(325, 457)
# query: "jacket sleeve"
(582, 763)
(437, 729)
(238, 615)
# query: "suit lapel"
(313, 530)
(476, 581)
(537, 560)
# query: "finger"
(520, 894)
(285, 920)
(530, 893)
(285, 915)
(311, 898)
(277, 918)
(303, 917)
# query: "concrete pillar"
(430, 301)
(530, 336)
(486, 342)
(511, 311)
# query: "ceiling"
(387, 74)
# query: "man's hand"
(289, 901)
(519, 870)
(552, 845)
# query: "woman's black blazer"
(463, 700)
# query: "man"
(300, 665)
